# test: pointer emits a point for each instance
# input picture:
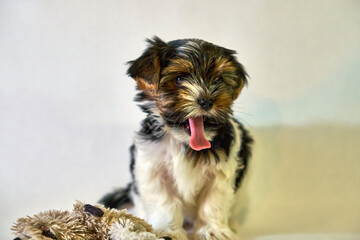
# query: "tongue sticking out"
(198, 141)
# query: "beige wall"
(302, 56)
(304, 180)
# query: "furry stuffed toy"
(85, 222)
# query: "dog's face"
(193, 84)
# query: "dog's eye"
(179, 80)
(217, 81)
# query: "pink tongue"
(198, 141)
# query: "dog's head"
(193, 84)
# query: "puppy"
(190, 155)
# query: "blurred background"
(67, 117)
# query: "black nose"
(205, 104)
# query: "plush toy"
(85, 222)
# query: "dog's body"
(190, 155)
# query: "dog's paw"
(170, 234)
(214, 233)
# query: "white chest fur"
(166, 160)
(164, 165)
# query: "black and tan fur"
(178, 80)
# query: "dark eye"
(179, 80)
(217, 80)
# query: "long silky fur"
(170, 180)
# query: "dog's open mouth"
(195, 128)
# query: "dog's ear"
(241, 78)
(238, 72)
(146, 69)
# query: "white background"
(67, 115)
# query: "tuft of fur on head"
(174, 78)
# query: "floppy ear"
(241, 79)
(146, 69)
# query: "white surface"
(301, 179)
(311, 237)
(67, 116)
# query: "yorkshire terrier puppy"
(190, 155)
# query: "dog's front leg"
(162, 208)
(214, 211)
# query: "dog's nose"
(205, 104)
